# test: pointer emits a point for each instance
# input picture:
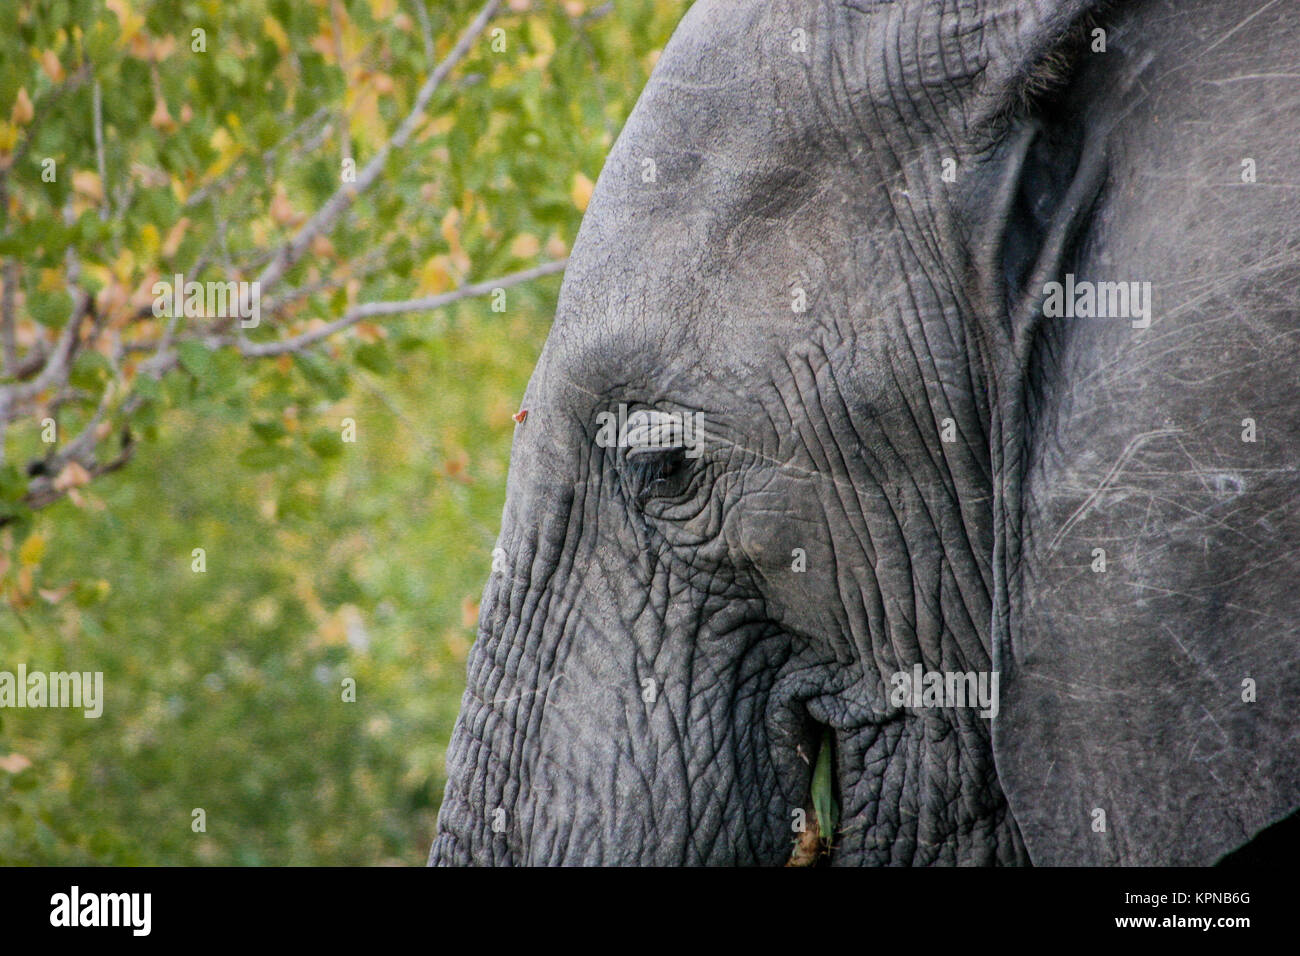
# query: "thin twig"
(345, 130)
(10, 277)
(372, 309)
(7, 316)
(97, 99)
(426, 30)
(42, 493)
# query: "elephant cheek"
(478, 823)
(791, 559)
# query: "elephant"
(909, 476)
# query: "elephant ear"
(979, 73)
(1145, 623)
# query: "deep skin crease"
(653, 677)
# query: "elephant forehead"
(733, 126)
(734, 224)
(653, 357)
(734, 196)
(732, 306)
(688, 322)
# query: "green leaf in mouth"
(823, 793)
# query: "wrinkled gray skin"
(778, 170)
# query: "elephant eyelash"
(659, 474)
(649, 466)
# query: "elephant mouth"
(814, 842)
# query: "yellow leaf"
(22, 588)
(51, 65)
(163, 47)
(55, 595)
(8, 137)
(72, 476)
(281, 209)
(150, 239)
(123, 265)
(162, 118)
(145, 331)
(50, 280)
(435, 277)
(581, 192)
(382, 9)
(32, 551)
(366, 122)
(323, 43)
(140, 47)
(175, 236)
(322, 247)
(543, 44)
(130, 20)
(14, 763)
(228, 150)
(87, 184)
(23, 110)
(450, 227)
(525, 246)
(369, 332)
(455, 464)
(469, 611)
(276, 32)
(334, 630)
(101, 273)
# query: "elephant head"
(805, 439)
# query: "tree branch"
(97, 97)
(372, 309)
(10, 278)
(347, 194)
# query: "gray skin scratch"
(1129, 450)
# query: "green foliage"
(328, 553)
(223, 688)
(823, 791)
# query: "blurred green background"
(324, 560)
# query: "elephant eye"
(659, 448)
(653, 469)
